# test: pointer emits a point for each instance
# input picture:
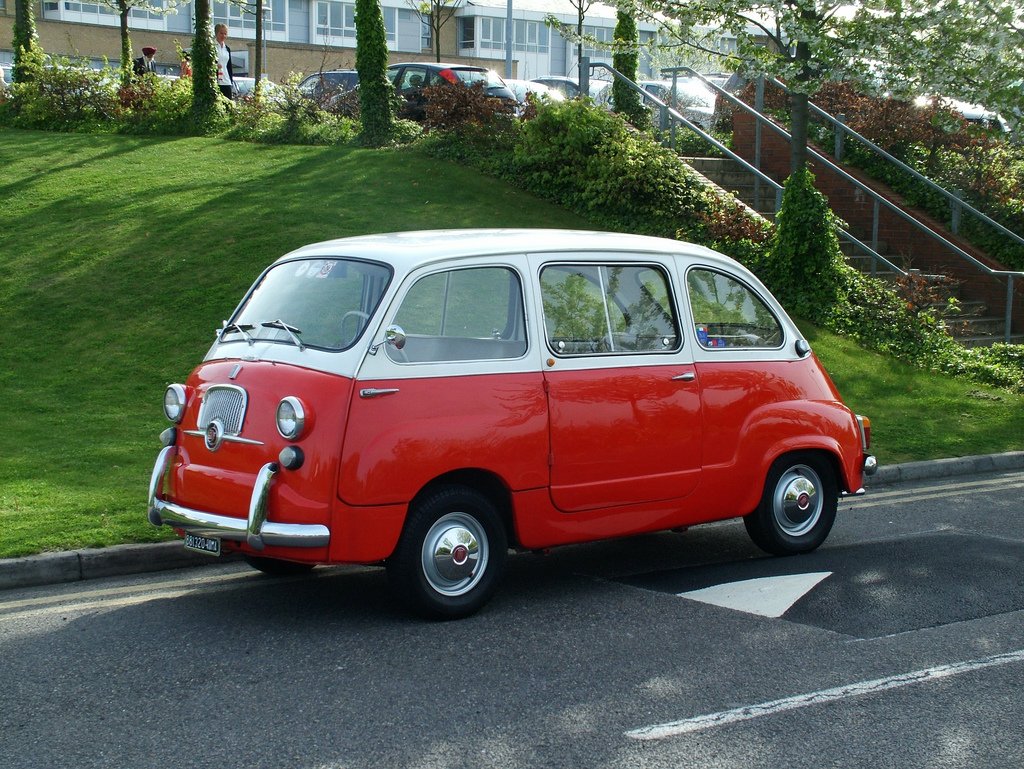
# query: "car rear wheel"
(450, 555)
(798, 506)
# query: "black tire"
(451, 554)
(275, 567)
(798, 506)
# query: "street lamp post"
(508, 40)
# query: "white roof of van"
(407, 249)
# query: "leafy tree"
(436, 13)
(964, 48)
(625, 60)
(376, 111)
(26, 42)
(581, 6)
(204, 67)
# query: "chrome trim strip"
(227, 438)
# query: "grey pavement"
(74, 565)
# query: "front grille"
(224, 402)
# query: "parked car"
(570, 88)
(328, 86)
(244, 86)
(411, 78)
(523, 88)
(691, 98)
(426, 400)
(972, 113)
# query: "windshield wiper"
(290, 330)
(241, 328)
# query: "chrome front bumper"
(255, 529)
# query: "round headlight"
(291, 418)
(174, 402)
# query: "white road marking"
(764, 596)
(877, 498)
(748, 712)
(72, 595)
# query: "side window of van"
(728, 314)
(462, 315)
(604, 309)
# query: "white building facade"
(325, 31)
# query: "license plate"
(208, 545)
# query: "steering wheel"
(352, 314)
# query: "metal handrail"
(879, 200)
(758, 174)
(954, 201)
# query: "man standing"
(145, 63)
(225, 75)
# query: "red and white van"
(427, 400)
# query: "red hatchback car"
(428, 400)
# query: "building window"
(492, 34)
(88, 9)
(467, 33)
(602, 35)
(275, 14)
(335, 19)
(530, 36)
(426, 32)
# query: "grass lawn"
(120, 256)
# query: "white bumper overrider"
(256, 530)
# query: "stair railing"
(878, 200)
(759, 176)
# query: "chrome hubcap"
(797, 503)
(454, 554)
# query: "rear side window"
(608, 309)
(458, 315)
(728, 314)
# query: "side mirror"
(803, 348)
(394, 336)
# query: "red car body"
(571, 387)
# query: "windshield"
(320, 303)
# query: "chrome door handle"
(689, 376)
(373, 392)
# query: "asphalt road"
(900, 643)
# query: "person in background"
(186, 64)
(225, 75)
(144, 63)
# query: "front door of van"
(623, 395)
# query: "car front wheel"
(798, 506)
(450, 555)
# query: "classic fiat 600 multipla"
(427, 400)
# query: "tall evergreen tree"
(376, 112)
(625, 59)
(26, 42)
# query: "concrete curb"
(947, 468)
(75, 565)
